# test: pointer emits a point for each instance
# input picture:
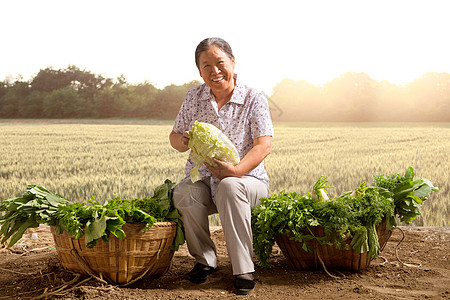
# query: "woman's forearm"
(261, 148)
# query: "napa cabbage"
(208, 142)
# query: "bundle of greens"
(287, 213)
(37, 206)
(352, 215)
(407, 193)
(93, 220)
(368, 207)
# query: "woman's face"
(217, 70)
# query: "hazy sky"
(155, 40)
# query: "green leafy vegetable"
(208, 142)
(163, 195)
(408, 193)
(93, 220)
(354, 214)
(319, 192)
(36, 206)
(285, 213)
(98, 220)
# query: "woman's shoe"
(244, 284)
(200, 273)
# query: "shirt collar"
(237, 97)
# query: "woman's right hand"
(185, 138)
(179, 141)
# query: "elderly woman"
(241, 113)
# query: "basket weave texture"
(331, 257)
(140, 253)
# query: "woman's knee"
(231, 185)
(231, 188)
(245, 189)
(187, 194)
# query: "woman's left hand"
(261, 148)
(223, 169)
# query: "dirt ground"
(31, 270)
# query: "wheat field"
(81, 160)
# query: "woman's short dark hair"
(206, 44)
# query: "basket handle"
(84, 265)
(317, 255)
(143, 274)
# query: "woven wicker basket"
(330, 256)
(121, 261)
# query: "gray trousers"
(234, 200)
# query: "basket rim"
(165, 223)
(154, 224)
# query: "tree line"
(76, 93)
(356, 97)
